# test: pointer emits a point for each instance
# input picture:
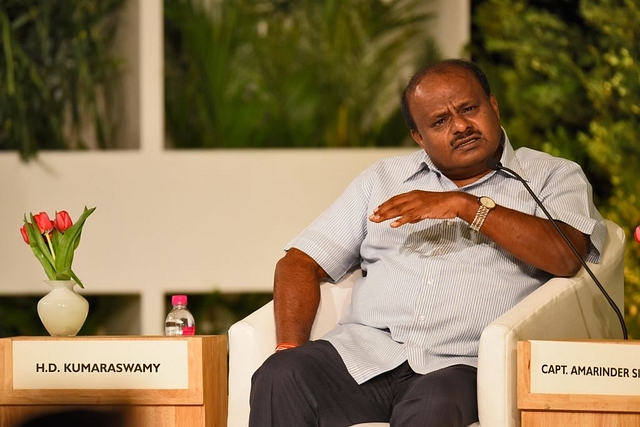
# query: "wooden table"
(576, 409)
(203, 403)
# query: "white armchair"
(564, 308)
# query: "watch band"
(486, 205)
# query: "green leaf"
(36, 242)
(76, 278)
(67, 243)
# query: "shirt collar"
(508, 158)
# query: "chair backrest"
(334, 301)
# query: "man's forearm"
(529, 238)
(536, 241)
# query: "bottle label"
(189, 330)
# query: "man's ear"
(494, 105)
(417, 137)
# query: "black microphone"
(495, 165)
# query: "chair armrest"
(563, 308)
(251, 341)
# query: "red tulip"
(25, 236)
(45, 225)
(637, 234)
(63, 221)
(55, 242)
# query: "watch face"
(487, 202)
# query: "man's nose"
(459, 123)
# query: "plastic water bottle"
(179, 321)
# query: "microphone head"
(493, 164)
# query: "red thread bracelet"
(285, 346)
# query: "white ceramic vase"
(62, 311)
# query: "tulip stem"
(53, 253)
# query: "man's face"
(458, 125)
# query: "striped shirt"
(430, 288)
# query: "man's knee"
(279, 368)
(446, 398)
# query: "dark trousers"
(310, 386)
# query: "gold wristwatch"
(486, 205)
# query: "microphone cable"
(495, 165)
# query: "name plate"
(585, 368)
(101, 364)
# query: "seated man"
(446, 245)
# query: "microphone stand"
(497, 166)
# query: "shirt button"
(430, 282)
(422, 318)
(450, 222)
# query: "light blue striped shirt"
(432, 287)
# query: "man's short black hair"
(440, 67)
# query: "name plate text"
(585, 368)
(100, 364)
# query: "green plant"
(284, 73)
(567, 75)
(56, 73)
(54, 242)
